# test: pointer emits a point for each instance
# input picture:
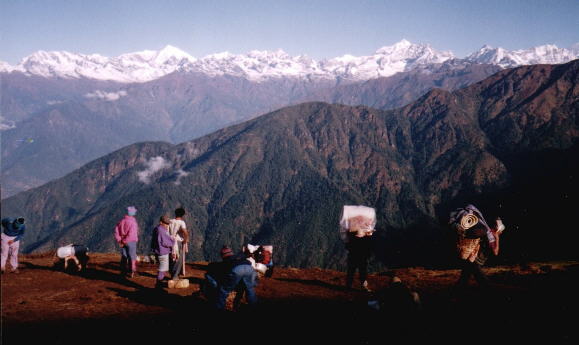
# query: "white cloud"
(6, 124)
(180, 174)
(107, 96)
(54, 102)
(153, 165)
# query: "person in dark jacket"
(359, 250)
(242, 275)
(398, 307)
(216, 274)
(397, 298)
(12, 232)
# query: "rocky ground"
(41, 305)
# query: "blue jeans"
(210, 288)
(239, 274)
(129, 257)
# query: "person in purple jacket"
(161, 244)
(127, 235)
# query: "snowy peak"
(62, 64)
(169, 55)
(133, 67)
(386, 61)
(414, 53)
(5, 67)
(258, 65)
(406, 50)
(545, 54)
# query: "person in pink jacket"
(127, 235)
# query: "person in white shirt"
(179, 233)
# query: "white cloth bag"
(358, 219)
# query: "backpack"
(461, 220)
(265, 257)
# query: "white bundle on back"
(258, 266)
(251, 248)
(65, 251)
(358, 219)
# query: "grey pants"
(177, 264)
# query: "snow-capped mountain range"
(263, 65)
(546, 54)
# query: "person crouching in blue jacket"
(12, 231)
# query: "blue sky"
(319, 29)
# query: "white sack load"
(251, 248)
(178, 283)
(358, 219)
(65, 251)
(261, 268)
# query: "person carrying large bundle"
(357, 225)
(75, 252)
(475, 240)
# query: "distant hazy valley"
(61, 110)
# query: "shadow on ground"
(517, 309)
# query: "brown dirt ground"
(524, 303)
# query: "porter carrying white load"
(358, 219)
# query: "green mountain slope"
(282, 178)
